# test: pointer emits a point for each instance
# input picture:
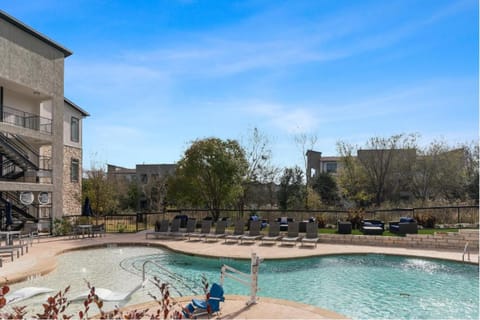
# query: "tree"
(261, 173)
(326, 186)
(99, 190)
(386, 162)
(351, 176)
(210, 174)
(292, 193)
(471, 170)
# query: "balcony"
(27, 120)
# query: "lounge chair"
(312, 234)
(238, 232)
(212, 305)
(206, 226)
(273, 232)
(292, 234)
(161, 230)
(191, 225)
(253, 233)
(175, 229)
(219, 231)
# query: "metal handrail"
(14, 144)
(466, 251)
(252, 282)
(26, 120)
(170, 274)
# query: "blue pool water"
(357, 286)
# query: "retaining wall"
(439, 240)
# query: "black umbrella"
(8, 213)
(87, 210)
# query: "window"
(75, 129)
(74, 170)
(331, 167)
(144, 178)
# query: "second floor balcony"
(26, 120)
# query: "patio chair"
(211, 305)
(406, 225)
(206, 226)
(292, 234)
(191, 225)
(312, 234)
(175, 228)
(161, 230)
(273, 232)
(238, 232)
(219, 231)
(253, 233)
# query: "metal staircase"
(18, 152)
(20, 213)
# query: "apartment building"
(150, 180)
(40, 130)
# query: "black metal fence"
(455, 216)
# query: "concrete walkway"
(41, 259)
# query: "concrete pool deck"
(41, 259)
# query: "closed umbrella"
(8, 213)
(87, 210)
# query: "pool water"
(357, 286)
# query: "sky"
(157, 75)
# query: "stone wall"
(72, 191)
(439, 240)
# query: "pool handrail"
(170, 274)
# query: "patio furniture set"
(404, 226)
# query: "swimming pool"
(357, 286)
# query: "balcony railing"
(27, 120)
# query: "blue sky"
(156, 75)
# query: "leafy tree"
(471, 170)
(326, 186)
(351, 177)
(210, 175)
(99, 190)
(292, 192)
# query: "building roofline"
(35, 33)
(73, 105)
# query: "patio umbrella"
(87, 210)
(8, 213)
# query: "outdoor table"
(9, 236)
(85, 229)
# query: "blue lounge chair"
(210, 306)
